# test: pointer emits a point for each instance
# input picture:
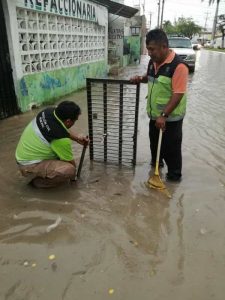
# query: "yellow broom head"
(155, 182)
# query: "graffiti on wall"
(42, 87)
(23, 87)
(49, 82)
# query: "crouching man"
(44, 151)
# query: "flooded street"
(113, 237)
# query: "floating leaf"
(51, 257)
(111, 291)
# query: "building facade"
(53, 46)
(126, 39)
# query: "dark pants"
(171, 146)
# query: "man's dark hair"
(67, 110)
(158, 36)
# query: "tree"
(221, 28)
(187, 27)
(168, 27)
(184, 26)
(215, 17)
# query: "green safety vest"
(160, 91)
(45, 138)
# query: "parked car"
(196, 46)
(183, 47)
(208, 44)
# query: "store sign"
(74, 8)
(116, 34)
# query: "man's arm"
(171, 105)
(82, 140)
(139, 79)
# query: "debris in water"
(203, 231)
(111, 291)
(117, 194)
(134, 243)
(152, 273)
(82, 215)
(197, 210)
(33, 265)
(94, 181)
(54, 225)
(26, 263)
(51, 257)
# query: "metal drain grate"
(113, 120)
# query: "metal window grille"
(113, 120)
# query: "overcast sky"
(177, 8)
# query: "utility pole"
(159, 7)
(163, 3)
(144, 7)
(150, 21)
(215, 20)
(206, 19)
(205, 27)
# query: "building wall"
(55, 45)
(115, 38)
(139, 21)
(125, 46)
(43, 87)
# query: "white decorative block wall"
(49, 42)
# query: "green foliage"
(168, 27)
(184, 26)
(187, 27)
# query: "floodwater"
(113, 237)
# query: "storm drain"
(113, 120)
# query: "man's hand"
(161, 123)
(136, 79)
(83, 140)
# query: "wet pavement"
(113, 237)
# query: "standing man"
(167, 77)
(45, 147)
